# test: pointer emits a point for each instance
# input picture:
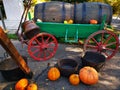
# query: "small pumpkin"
(32, 86)
(88, 75)
(53, 73)
(21, 84)
(65, 22)
(93, 21)
(74, 79)
(70, 21)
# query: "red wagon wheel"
(43, 46)
(103, 41)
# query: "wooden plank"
(10, 48)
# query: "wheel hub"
(101, 47)
(44, 46)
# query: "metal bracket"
(75, 38)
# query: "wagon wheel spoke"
(35, 51)
(37, 54)
(46, 45)
(110, 49)
(110, 44)
(105, 54)
(94, 40)
(42, 36)
(37, 41)
(52, 47)
(105, 42)
(51, 42)
(34, 48)
(108, 39)
(47, 39)
(48, 51)
(44, 54)
(102, 37)
(34, 45)
(91, 46)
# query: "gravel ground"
(109, 76)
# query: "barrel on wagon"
(79, 13)
(84, 12)
(53, 11)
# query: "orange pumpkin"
(53, 73)
(70, 21)
(74, 79)
(32, 86)
(21, 84)
(93, 21)
(88, 75)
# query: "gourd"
(88, 75)
(53, 73)
(93, 21)
(32, 86)
(70, 21)
(21, 84)
(65, 22)
(74, 79)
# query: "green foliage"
(12, 36)
(114, 3)
(116, 7)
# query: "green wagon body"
(76, 31)
(59, 29)
(67, 31)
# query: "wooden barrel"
(53, 11)
(84, 12)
